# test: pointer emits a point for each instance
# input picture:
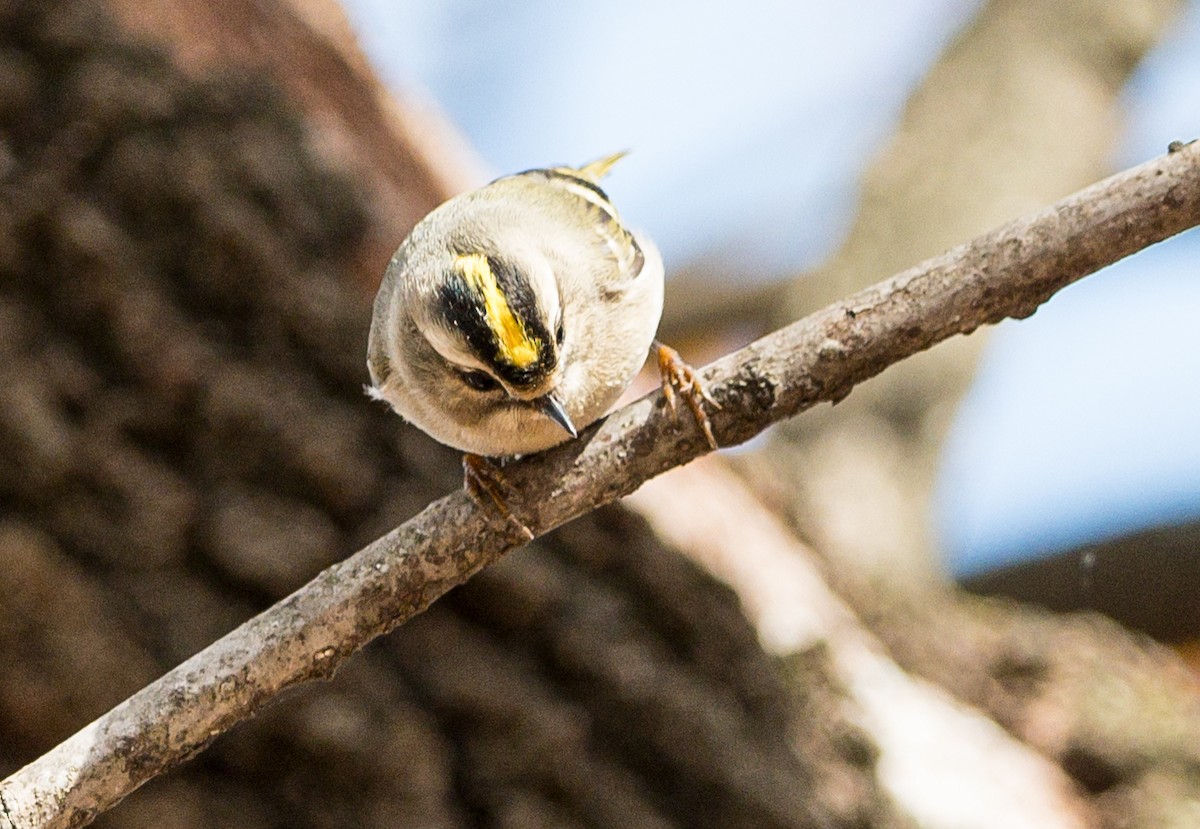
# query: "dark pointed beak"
(552, 409)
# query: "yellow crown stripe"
(517, 348)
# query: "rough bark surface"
(183, 440)
(404, 158)
(1008, 272)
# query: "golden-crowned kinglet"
(516, 314)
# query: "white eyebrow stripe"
(450, 348)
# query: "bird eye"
(480, 380)
(559, 333)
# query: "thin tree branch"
(1006, 273)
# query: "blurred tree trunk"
(186, 230)
(1021, 109)
(185, 233)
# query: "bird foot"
(484, 482)
(679, 378)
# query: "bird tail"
(598, 169)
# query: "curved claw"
(482, 477)
(679, 377)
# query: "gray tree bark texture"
(1006, 273)
(184, 441)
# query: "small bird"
(514, 315)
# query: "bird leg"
(482, 477)
(680, 378)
